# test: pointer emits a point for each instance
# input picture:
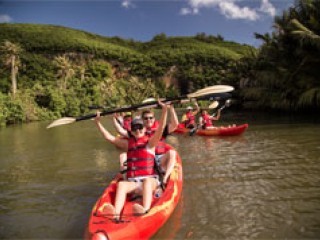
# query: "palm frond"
(304, 34)
(310, 98)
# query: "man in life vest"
(189, 117)
(165, 155)
(205, 120)
(141, 176)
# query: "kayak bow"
(130, 226)
(217, 131)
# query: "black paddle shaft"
(210, 96)
(128, 109)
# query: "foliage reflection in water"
(263, 184)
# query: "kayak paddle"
(209, 92)
(226, 104)
(213, 105)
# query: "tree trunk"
(13, 76)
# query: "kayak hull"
(135, 227)
(218, 131)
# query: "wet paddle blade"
(228, 103)
(61, 121)
(217, 89)
(211, 90)
(149, 100)
(214, 105)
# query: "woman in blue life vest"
(141, 177)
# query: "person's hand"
(98, 117)
(161, 104)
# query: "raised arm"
(216, 117)
(162, 123)
(174, 122)
(197, 108)
(119, 128)
(119, 142)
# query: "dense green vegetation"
(284, 74)
(60, 71)
(50, 71)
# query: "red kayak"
(130, 226)
(218, 131)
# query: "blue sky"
(235, 20)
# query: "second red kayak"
(218, 131)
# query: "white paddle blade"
(211, 90)
(61, 121)
(149, 106)
(149, 100)
(217, 89)
(228, 103)
(214, 105)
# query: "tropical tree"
(305, 29)
(65, 70)
(287, 66)
(134, 90)
(10, 55)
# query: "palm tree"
(65, 70)
(305, 29)
(287, 66)
(11, 52)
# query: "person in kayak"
(124, 119)
(127, 121)
(165, 155)
(189, 117)
(141, 176)
(205, 120)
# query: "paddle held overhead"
(212, 93)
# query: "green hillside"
(61, 71)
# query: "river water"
(264, 184)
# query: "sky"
(141, 20)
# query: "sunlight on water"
(264, 184)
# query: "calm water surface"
(264, 184)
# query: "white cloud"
(233, 11)
(268, 8)
(127, 4)
(189, 11)
(5, 18)
(185, 11)
(231, 8)
(204, 3)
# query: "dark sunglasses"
(136, 127)
(146, 118)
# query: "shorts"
(139, 180)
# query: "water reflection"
(260, 185)
(250, 187)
